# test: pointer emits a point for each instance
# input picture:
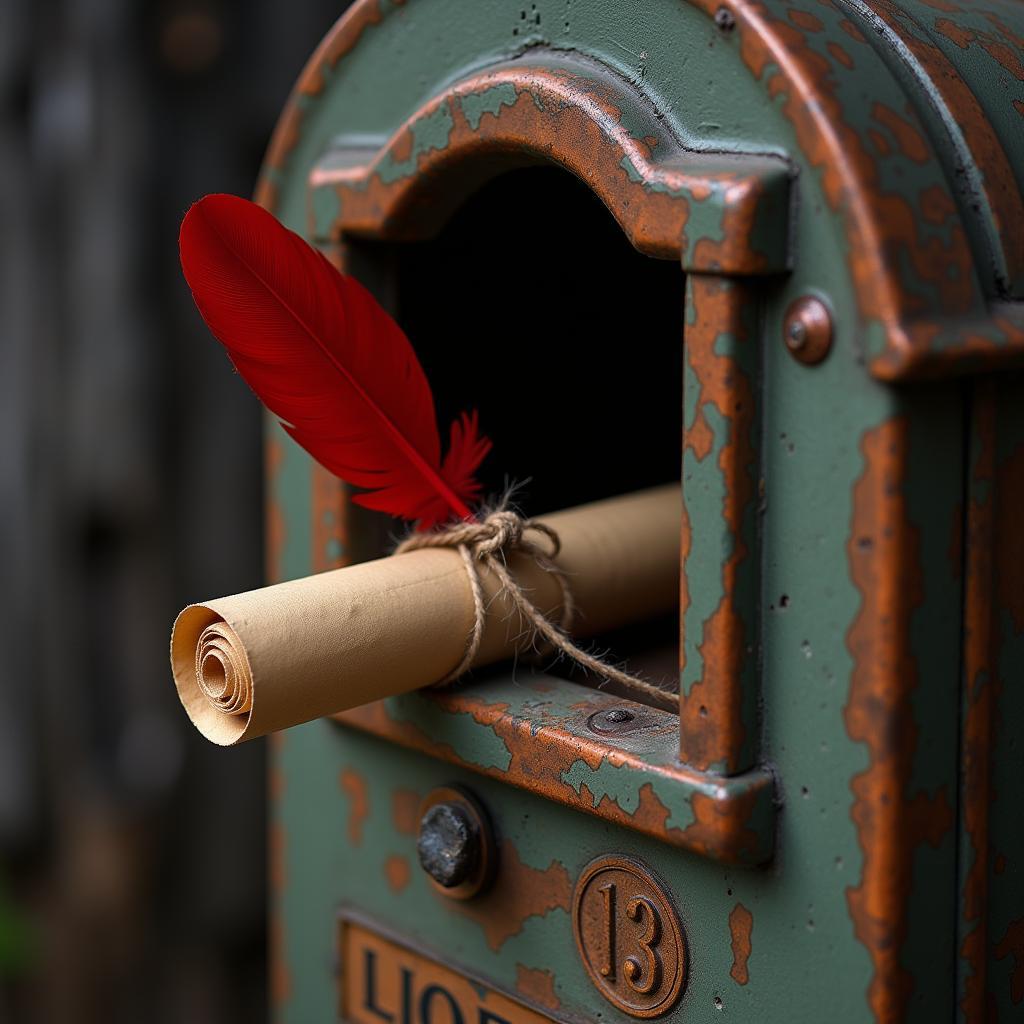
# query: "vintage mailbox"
(792, 235)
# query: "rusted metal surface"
(741, 928)
(537, 739)
(538, 985)
(715, 212)
(520, 892)
(807, 330)
(884, 559)
(273, 454)
(336, 44)
(819, 538)
(718, 604)
(353, 784)
(629, 936)
(983, 174)
(909, 257)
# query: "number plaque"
(629, 936)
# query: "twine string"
(489, 543)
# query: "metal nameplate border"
(348, 915)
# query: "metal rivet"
(724, 19)
(797, 336)
(612, 720)
(448, 845)
(455, 844)
(807, 330)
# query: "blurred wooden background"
(130, 484)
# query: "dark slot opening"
(533, 307)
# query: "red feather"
(321, 354)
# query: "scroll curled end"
(212, 675)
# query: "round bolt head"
(448, 845)
(615, 720)
(807, 330)
(618, 715)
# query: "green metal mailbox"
(796, 229)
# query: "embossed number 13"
(643, 977)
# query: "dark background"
(130, 484)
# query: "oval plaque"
(629, 936)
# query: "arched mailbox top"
(878, 104)
(716, 212)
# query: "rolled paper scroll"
(276, 657)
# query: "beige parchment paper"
(273, 658)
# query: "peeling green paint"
(475, 105)
(429, 133)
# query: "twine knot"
(490, 542)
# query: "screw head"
(618, 715)
(455, 844)
(448, 845)
(807, 330)
(615, 720)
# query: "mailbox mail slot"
(774, 250)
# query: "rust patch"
(1012, 944)
(884, 558)
(540, 757)
(998, 180)
(354, 786)
(852, 31)
(519, 892)
(741, 926)
(712, 729)
(575, 123)
(910, 141)
(273, 457)
(805, 20)
(405, 811)
(996, 44)
(718, 825)
(959, 36)
(905, 278)
(329, 534)
(936, 205)
(885, 565)
(537, 985)
(840, 55)
(341, 39)
(397, 872)
(880, 142)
